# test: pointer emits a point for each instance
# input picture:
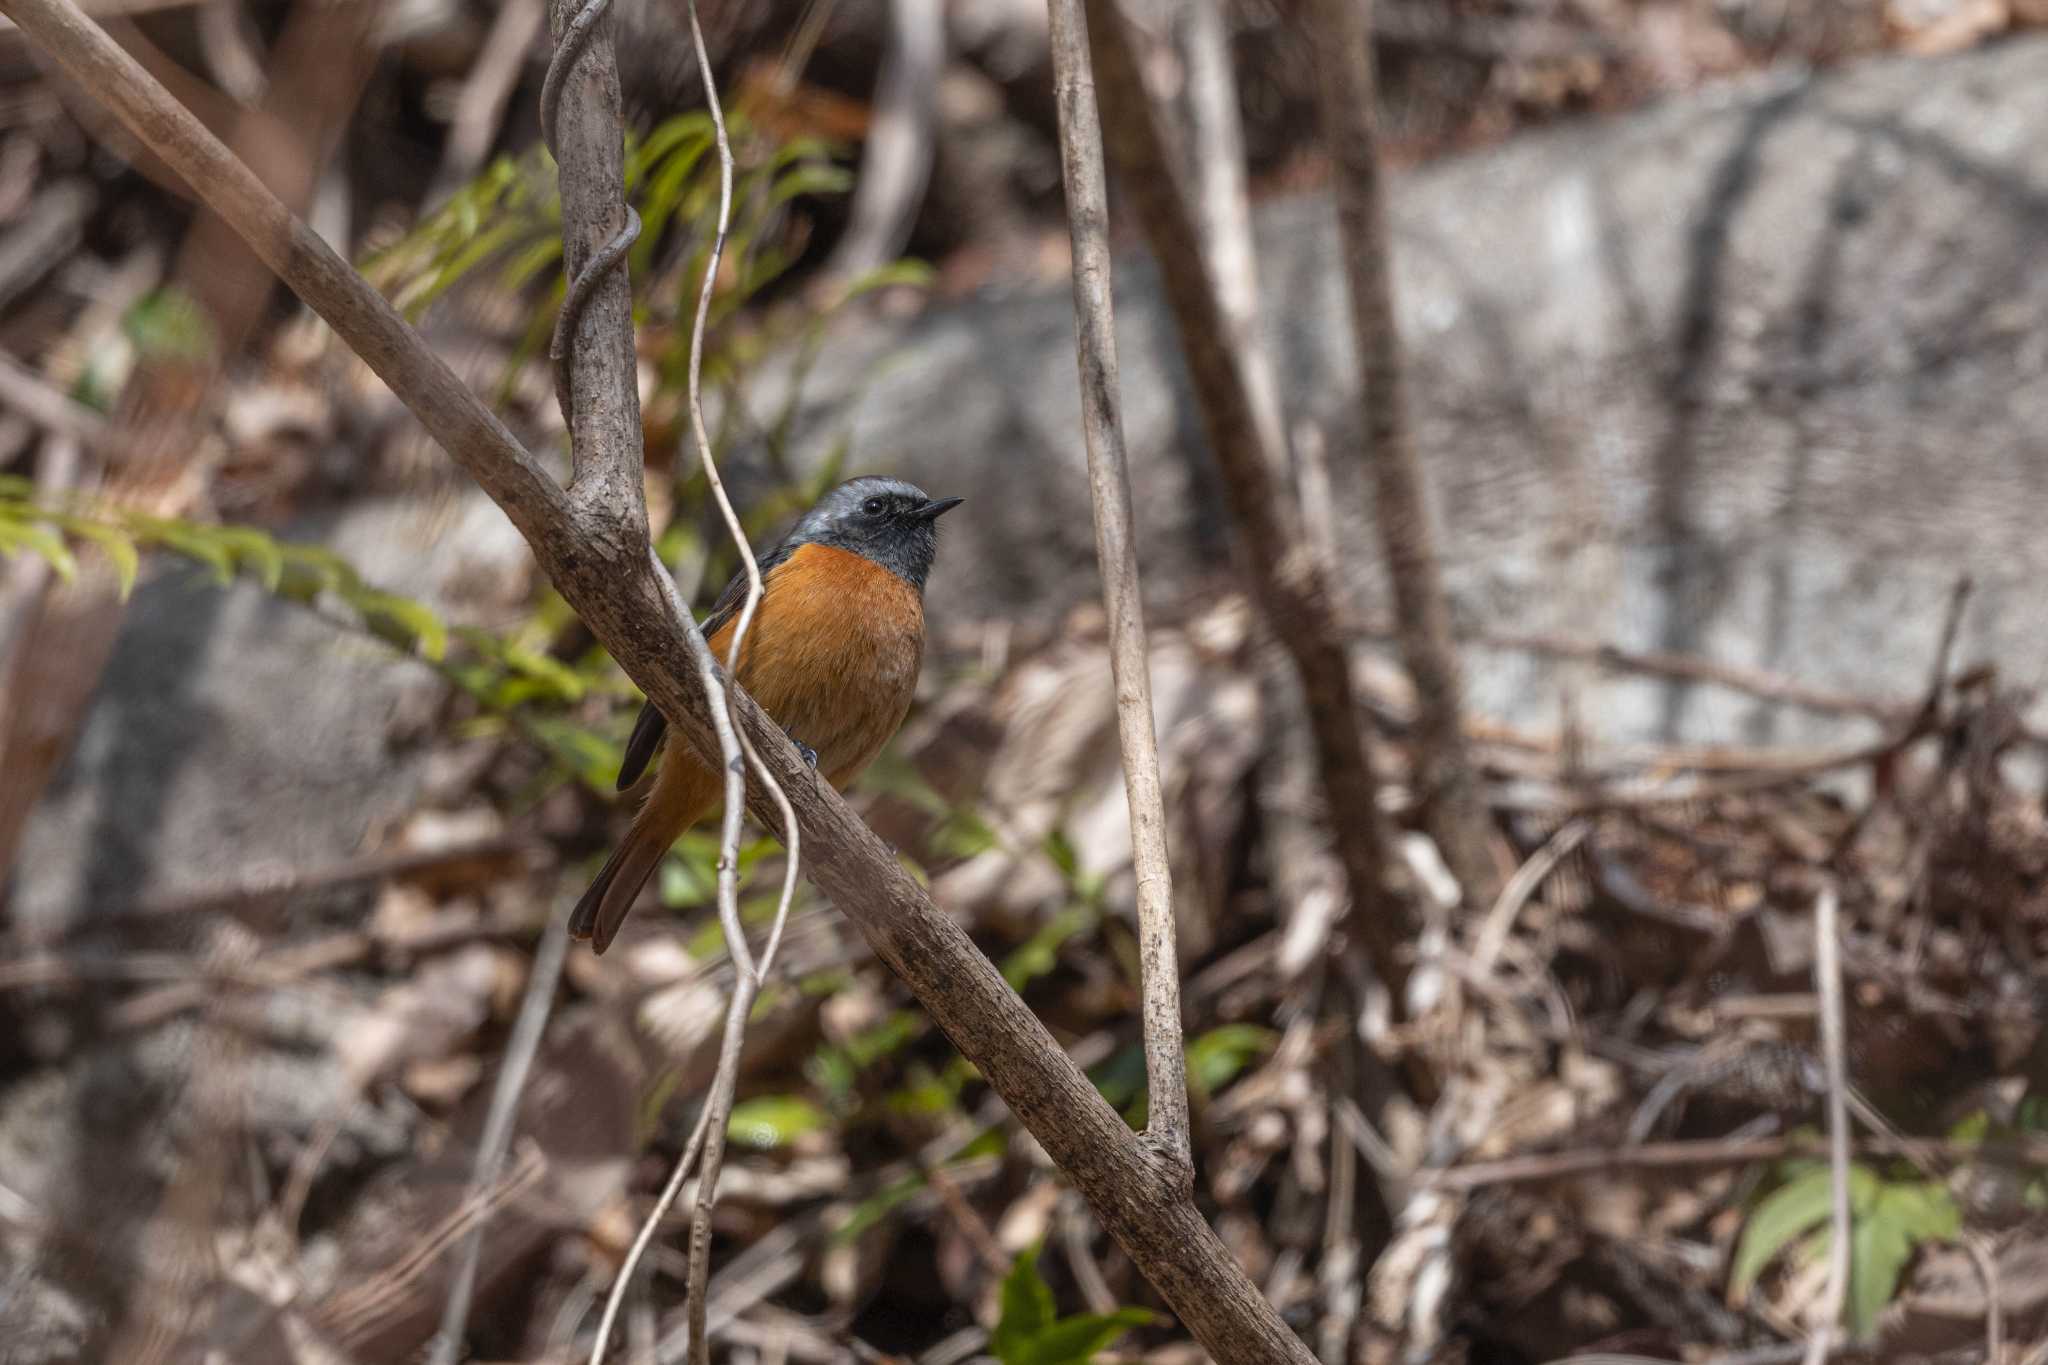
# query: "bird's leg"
(810, 755)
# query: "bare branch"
(1109, 484)
(1445, 782)
(1292, 591)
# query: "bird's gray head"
(886, 520)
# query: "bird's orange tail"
(682, 794)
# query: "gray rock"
(1753, 375)
(234, 731)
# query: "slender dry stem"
(645, 1237)
(1109, 485)
(1827, 977)
(747, 978)
(497, 1134)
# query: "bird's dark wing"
(652, 725)
(641, 744)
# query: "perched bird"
(832, 655)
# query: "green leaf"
(871, 1045)
(1925, 1209)
(803, 148)
(927, 1095)
(1879, 1248)
(1027, 1308)
(193, 542)
(1075, 1340)
(1790, 1212)
(1215, 1058)
(328, 570)
(168, 324)
(593, 758)
(403, 620)
(876, 1207)
(1038, 955)
(686, 884)
(16, 536)
(668, 135)
(473, 252)
(1972, 1127)
(527, 263)
(105, 371)
(907, 273)
(1061, 850)
(540, 667)
(1120, 1076)
(963, 834)
(773, 1121)
(254, 551)
(1027, 1333)
(810, 179)
(115, 544)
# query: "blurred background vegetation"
(290, 800)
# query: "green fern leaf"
(254, 551)
(17, 536)
(403, 620)
(114, 543)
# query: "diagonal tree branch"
(1109, 482)
(612, 579)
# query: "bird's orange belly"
(833, 655)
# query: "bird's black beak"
(936, 508)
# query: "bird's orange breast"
(833, 654)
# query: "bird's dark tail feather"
(604, 906)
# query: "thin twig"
(1076, 1229)
(1986, 1260)
(354, 1312)
(645, 1236)
(262, 887)
(1500, 920)
(1827, 974)
(747, 978)
(497, 1134)
(28, 393)
(1737, 1151)
(1109, 486)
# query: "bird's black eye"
(874, 507)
